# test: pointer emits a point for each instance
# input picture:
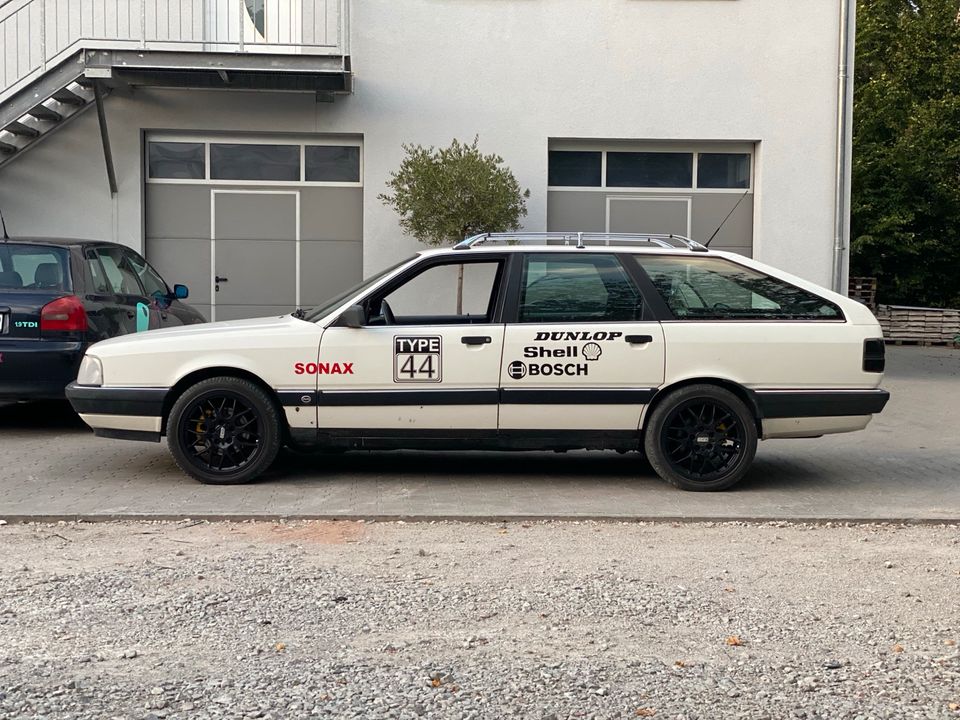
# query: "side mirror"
(181, 292)
(353, 317)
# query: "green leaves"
(444, 195)
(906, 155)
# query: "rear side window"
(121, 277)
(34, 267)
(584, 288)
(699, 288)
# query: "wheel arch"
(195, 376)
(736, 388)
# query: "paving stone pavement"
(904, 467)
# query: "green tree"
(906, 150)
(444, 195)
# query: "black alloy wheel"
(224, 431)
(701, 437)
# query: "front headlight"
(91, 371)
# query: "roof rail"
(581, 240)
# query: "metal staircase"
(57, 57)
(42, 108)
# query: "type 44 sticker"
(417, 359)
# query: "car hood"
(210, 333)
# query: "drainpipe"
(841, 238)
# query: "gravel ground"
(446, 620)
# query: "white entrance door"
(254, 253)
(580, 356)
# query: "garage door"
(255, 226)
(654, 188)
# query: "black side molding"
(127, 434)
(116, 401)
(819, 403)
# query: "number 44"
(426, 367)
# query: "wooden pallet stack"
(905, 325)
(863, 289)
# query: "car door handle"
(639, 339)
(475, 339)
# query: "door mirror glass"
(181, 292)
(353, 317)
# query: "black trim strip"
(116, 401)
(524, 396)
(468, 439)
(819, 403)
(127, 434)
(491, 396)
(368, 398)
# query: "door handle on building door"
(217, 280)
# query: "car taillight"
(65, 314)
(874, 355)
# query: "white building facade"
(249, 139)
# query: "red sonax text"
(323, 368)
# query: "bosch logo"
(517, 370)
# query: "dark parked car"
(58, 296)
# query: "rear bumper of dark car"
(38, 369)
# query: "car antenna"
(720, 226)
(4, 224)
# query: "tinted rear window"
(33, 267)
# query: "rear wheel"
(701, 437)
(224, 431)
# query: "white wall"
(517, 72)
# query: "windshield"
(325, 308)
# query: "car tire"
(701, 438)
(224, 431)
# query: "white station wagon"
(512, 341)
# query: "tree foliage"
(906, 160)
(444, 195)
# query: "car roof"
(573, 249)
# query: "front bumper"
(126, 413)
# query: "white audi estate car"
(511, 341)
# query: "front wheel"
(701, 437)
(224, 431)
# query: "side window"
(120, 276)
(583, 288)
(448, 294)
(153, 284)
(699, 288)
(100, 284)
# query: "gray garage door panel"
(576, 211)
(177, 211)
(709, 210)
(328, 268)
(183, 261)
(331, 213)
(258, 272)
(255, 216)
(649, 214)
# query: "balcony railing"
(37, 35)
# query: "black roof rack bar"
(582, 239)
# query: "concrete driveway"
(905, 466)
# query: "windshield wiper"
(299, 313)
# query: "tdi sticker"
(417, 359)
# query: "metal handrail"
(580, 239)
